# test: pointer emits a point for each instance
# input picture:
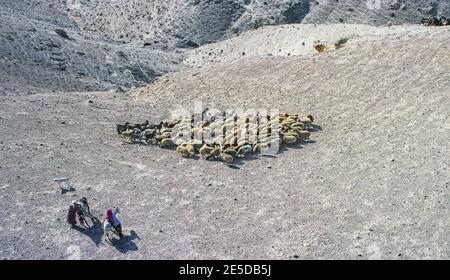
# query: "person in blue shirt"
(111, 217)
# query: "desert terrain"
(373, 182)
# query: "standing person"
(72, 214)
(111, 217)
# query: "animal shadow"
(315, 127)
(241, 161)
(126, 244)
(233, 166)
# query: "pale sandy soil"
(299, 39)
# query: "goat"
(121, 128)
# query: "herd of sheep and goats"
(224, 138)
(229, 138)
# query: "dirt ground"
(348, 195)
(373, 182)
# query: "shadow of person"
(315, 127)
(126, 244)
(95, 232)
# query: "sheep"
(228, 125)
(215, 152)
(289, 139)
(208, 142)
(304, 134)
(200, 124)
(264, 132)
(165, 130)
(180, 134)
(231, 140)
(180, 142)
(234, 130)
(182, 151)
(298, 125)
(166, 143)
(320, 48)
(206, 131)
(260, 147)
(290, 133)
(218, 140)
(205, 151)
(242, 143)
(191, 149)
(252, 126)
(215, 125)
(230, 151)
(244, 119)
(307, 121)
(244, 133)
(184, 128)
(159, 138)
(244, 151)
(288, 121)
(173, 123)
(226, 158)
(218, 132)
(234, 137)
(227, 128)
(166, 134)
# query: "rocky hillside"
(375, 12)
(69, 45)
(189, 23)
(294, 40)
(43, 49)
